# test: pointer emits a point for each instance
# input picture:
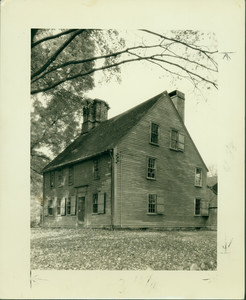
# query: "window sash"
(96, 169)
(197, 206)
(70, 175)
(198, 177)
(69, 206)
(152, 203)
(63, 207)
(60, 177)
(154, 138)
(95, 203)
(151, 168)
(50, 207)
(177, 140)
(58, 208)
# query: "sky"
(141, 81)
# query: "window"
(73, 205)
(52, 179)
(152, 204)
(151, 168)
(155, 206)
(60, 177)
(176, 140)
(59, 206)
(198, 177)
(99, 203)
(197, 206)
(50, 207)
(154, 135)
(96, 169)
(95, 203)
(63, 207)
(70, 175)
(69, 206)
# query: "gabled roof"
(103, 137)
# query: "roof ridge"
(102, 137)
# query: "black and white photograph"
(107, 188)
(127, 137)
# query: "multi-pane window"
(155, 205)
(154, 135)
(99, 203)
(197, 206)
(176, 140)
(52, 179)
(60, 177)
(59, 206)
(151, 168)
(70, 175)
(95, 203)
(50, 207)
(198, 177)
(152, 205)
(69, 206)
(96, 169)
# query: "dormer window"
(154, 134)
(176, 140)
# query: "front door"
(81, 209)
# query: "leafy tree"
(63, 63)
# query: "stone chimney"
(178, 99)
(94, 112)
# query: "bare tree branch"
(81, 61)
(205, 52)
(59, 50)
(34, 44)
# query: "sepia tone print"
(129, 192)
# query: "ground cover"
(97, 249)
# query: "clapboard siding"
(175, 174)
(83, 181)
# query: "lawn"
(96, 249)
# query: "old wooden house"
(139, 169)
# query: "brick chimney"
(178, 99)
(94, 112)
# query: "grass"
(98, 249)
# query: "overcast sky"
(141, 81)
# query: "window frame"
(95, 203)
(153, 204)
(50, 206)
(52, 179)
(58, 206)
(195, 207)
(70, 175)
(60, 177)
(151, 169)
(155, 134)
(179, 141)
(201, 179)
(96, 169)
(68, 206)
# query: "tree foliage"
(63, 64)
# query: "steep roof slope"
(103, 137)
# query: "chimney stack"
(94, 112)
(178, 99)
